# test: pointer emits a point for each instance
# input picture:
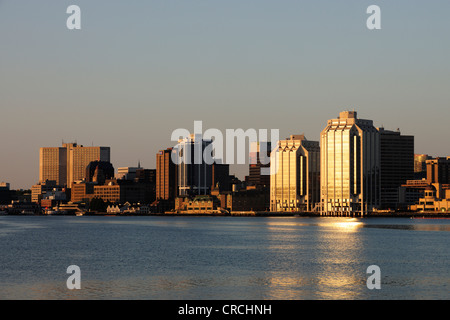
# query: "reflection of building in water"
(327, 266)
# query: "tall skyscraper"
(166, 175)
(53, 165)
(194, 173)
(295, 175)
(350, 165)
(397, 165)
(221, 176)
(68, 163)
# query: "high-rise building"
(99, 172)
(194, 171)
(350, 165)
(5, 193)
(53, 165)
(166, 175)
(78, 158)
(68, 163)
(259, 171)
(420, 166)
(397, 165)
(438, 170)
(295, 175)
(221, 177)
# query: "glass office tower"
(294, 176)
(350, 166)
(194, 174)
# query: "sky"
(138, 70)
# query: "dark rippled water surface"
(223, 257)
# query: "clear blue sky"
(137, 70)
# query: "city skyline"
(135, 72)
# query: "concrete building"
(68, 163)
(350, 166)
(126, 173)
(121, 191)
(199, 204)
(432, 202)
(166, 175)
(397, 165)
(38, 190)
(82, 192)
(295, 175)
(438, 170)
(53, 165)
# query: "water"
(184, 258)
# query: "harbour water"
(198, 258)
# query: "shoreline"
(412, 215)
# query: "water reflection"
(415, 227)
(224, 258)
(316, 258)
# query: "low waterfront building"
(430, 202)
(200, 204)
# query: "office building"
(5, 193)
(82, 192)
(259, 164)
(53, 165)
(350, 166)
(420, 166)
(99, 172)
(221, 177)
(122, 191)
(438, 170)
(166, 175)
(38, 190)
(397, 165)
(127, 173)
(295, 175)
(194, 173)
(68, 163)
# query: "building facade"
(438, 170)
(295, 175)
(350, 166)
(259, 164)
(166, 175)
(397, 165)
(194, 172)
(53, 165)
